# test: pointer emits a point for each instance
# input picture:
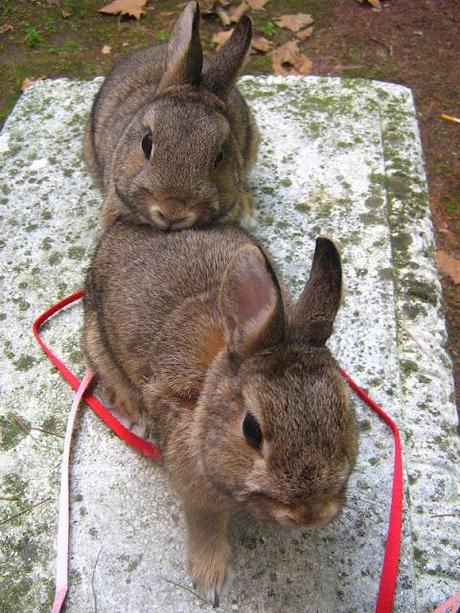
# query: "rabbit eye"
(252, 431)
(219, 158)
(147, 144)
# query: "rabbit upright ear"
(221, 73)
(250, 303)
(318, 304)
(184, 56)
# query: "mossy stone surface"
(338, 157)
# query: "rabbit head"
(179, 162)
(274, 425)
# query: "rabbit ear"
(184, 57)
(250, 303)
(222, 70)
(318, 304)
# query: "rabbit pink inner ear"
(222, 70)
(184, 56)
(314, 313)
(251, 304)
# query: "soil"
(413, 42)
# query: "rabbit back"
(151, 307)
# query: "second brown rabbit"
(190, 334)
(170, 140)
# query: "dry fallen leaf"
(28, 81)
(375, 3)
(106, 49)
(207, 6)
(287, 60)
(259, 43)
(65, 14)
(448, 265)
(294, 22)
(220, 38)
(304, 34)
(134, 8)
(257, 5)
(5, 27)
(238, 12)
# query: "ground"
(413, 42)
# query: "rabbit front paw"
(209, 572)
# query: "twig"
(350, 67)
(409, 333)
(389, 48)
(184, 587)
(9, 498)
(446, 515)
(19, 422)
(25, 511)
(92, 580)
(450, 118)
(47, 431)
(224, 18)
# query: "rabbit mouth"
(303, 516)
(163, 222)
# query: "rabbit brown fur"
(171, 143)
(190, 331)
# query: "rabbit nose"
(159, 219)
(184, 222)
(175, 222)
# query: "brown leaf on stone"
(288, 59)
(28, 81)
(238, 12)
(133, 8)
(220, 38)
(448, 265)
(106, 49)
(261, 44)
(257, 5)
(304, 34)
(294, 22)
(5, 27)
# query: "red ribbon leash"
(389, 574)
(148, 449)
(62, 561)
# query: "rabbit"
(192, 333)
(170, 140)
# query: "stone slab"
(340, 158)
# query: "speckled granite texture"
(338, 158)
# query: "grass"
(268, 29)
(163, 35)
(33, 38)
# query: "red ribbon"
(148, 449)
(389, 574)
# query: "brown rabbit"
(189, 331)
(169, 143)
